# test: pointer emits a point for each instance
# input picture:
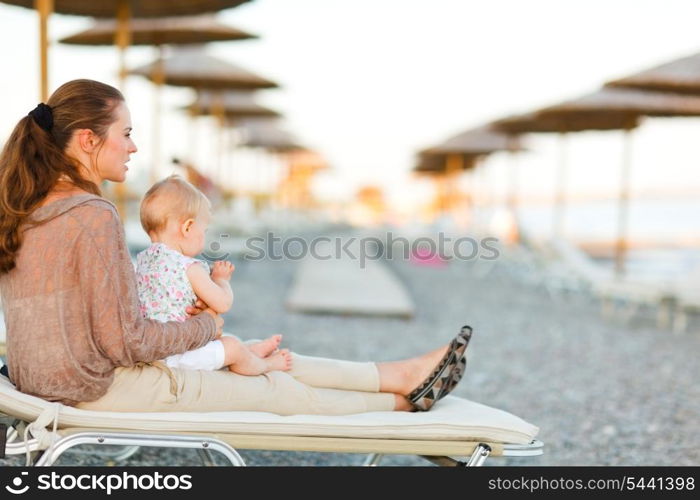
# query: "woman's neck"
(62, 189)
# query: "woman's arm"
(110, 299)
(217, 294)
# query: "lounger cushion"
(450, 419)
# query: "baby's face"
(195, 236)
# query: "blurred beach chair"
(620, 298)
(624, 298)
(455, 432)
(686, 305)
(686, 302)
(536, 264)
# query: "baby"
(175, 215)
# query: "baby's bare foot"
(266, 347)
(281, 360)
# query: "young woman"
(74, 330)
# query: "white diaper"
(208, 357)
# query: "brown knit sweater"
(71, 306)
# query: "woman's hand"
(201, 307)
(197, 308)
(218, 319)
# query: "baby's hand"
(222, 270)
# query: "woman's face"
(113, 154)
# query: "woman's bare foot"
(401, 403)
(281, 361)
(266, 347)
(402, 377)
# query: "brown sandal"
(444, 377)
(457, 375)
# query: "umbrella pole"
(480, 188)
(158, 78)
(513, 194)
(560, 196)
(472, 196)
(220, 115)
(623, 206)
(44, 8)
(513, 189)
(220, 156)
(226, 140)
(122, 38)
(455, 164)
(441, 187)
(233, 144)
(194, 112)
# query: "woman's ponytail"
(34, 159)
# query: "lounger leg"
(663, 314)
(127, 452)
(443, 461)
(628, 312)
(124, 439)
(11, 434)
(479, 456)
(680, 321)
(373, 460)
(206, 457)
(119, 455)
(607, 308)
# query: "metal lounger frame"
(205, 444)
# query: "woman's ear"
(87, 140)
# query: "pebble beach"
(602, 393)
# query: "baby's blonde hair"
(171, 197)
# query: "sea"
(663, 234)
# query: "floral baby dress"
(163, 287)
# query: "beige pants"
(313, 386)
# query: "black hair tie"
(43, 116)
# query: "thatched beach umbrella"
(463, 151)
(265, 134)
(138, 8)
(181, 30)
(622, 101)
(231, 107)
(442, 168)
(192, 67)
(534, 123)
(681, 76)
(481, 140)
(601, 111)
(562, 125)
(437, 164)
(158, 32)
(121, 10)
(234, 105)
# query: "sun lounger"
(687, 304)
(455, 432)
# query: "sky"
(368, 83)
